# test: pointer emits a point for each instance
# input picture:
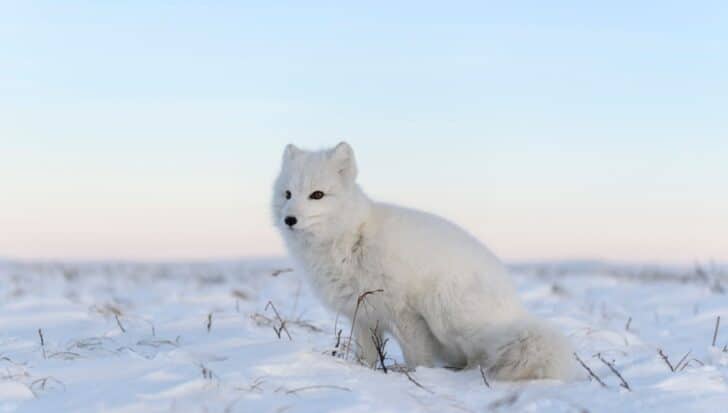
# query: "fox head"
(316, 195)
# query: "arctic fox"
(437, 290)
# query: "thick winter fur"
(446, 298)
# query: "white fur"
(446, 298)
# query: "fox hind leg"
(419, 346)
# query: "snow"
(200, 337)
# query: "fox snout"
(290, 221)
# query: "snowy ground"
(199, 338)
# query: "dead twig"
(359, 300)
(616, 372)
(629, 321)
(380, 345)
(591, 373)
(209, 322)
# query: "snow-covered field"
(202, 338)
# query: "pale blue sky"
(551, 130)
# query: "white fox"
(443, 296)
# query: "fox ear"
(343, 157)
(290, 152)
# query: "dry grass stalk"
(278, 272)
(359, 301)
(482, 374)
(207, 374)
(282, 325)
(305, 324)
(317, 386)
(715, 332)
(107, 310)
(616, 372)
(255, 387)
(118, 322)
(415, 382)
(240, 294)
(65, 355)
(43, 381)
(338, 343)
(42, 342)
(682, 364)
(158, 343)
(666, 359)
(591, 373)
(682, 360)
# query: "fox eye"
(288, 194)
(316, 195)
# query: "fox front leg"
(419, 345)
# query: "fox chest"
(340, 279)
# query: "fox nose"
(290, 221)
